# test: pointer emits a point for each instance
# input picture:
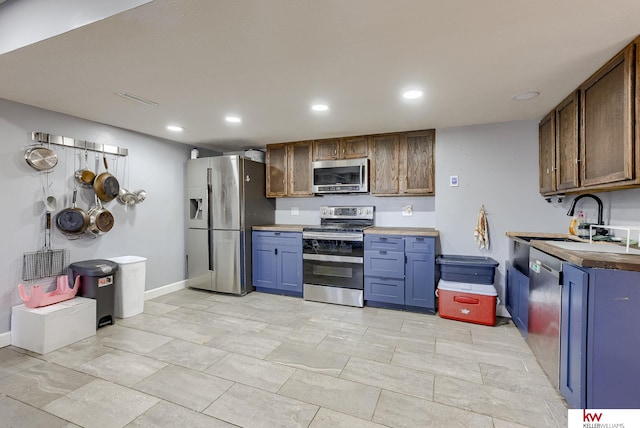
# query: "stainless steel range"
(333, 256)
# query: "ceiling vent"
(136, 98)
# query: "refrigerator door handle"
(211, 264)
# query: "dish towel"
(481, 233)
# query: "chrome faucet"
(587, 195)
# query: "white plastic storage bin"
(48, 328)
(130, 285)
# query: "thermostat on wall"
(453, 181)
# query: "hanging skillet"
(41, 158)
(73, 220)
(106, 185)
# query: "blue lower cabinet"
(573, 336)
(399, 272)
(387, 290)
(420, 281)
(277, 262)
(599, 340)
(517, 285)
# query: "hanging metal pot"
(100, 220)
(106, 185)
(127, 198)
(41, 158)
(72, 221)
(85, 176)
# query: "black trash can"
(97, 282)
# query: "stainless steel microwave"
(341, 176)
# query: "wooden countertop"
(281, 227)
(541, 235)
(416, 231)
(588, 259)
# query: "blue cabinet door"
(290, 269)
(613, 341)
(573, 335)
(512, 292)
(386, 290)
(263, 263)
(384, 264)
(517, 304)
(420, 280)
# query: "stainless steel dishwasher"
(545, 303)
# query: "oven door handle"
(324, 236)
(328, 258)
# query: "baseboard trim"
(502, 311)
(161, 291)
(5, 339)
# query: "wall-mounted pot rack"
(43, 137)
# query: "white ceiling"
(269, 60)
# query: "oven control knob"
(359, 211)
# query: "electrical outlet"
(453, 181)
(295, 211)
(407, 210)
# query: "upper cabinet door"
(354, 147)
(567, 131)
(300, 155)
(328, 149)
(276, 170)
(416, 162)
(547, 154)
(607, 122)
(384, 168)
(341, 148)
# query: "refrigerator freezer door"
(226, 193)
(228, 261)
(198, 273)
(198, 193)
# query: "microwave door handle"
(361, 176)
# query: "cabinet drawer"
(386, 290)
(384, 242)
(420, 244)
(387, 264)
(279, 239)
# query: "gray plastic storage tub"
(473, 269)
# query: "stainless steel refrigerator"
(226, 197)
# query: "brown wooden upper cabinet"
(606, 131)
(547, 153)
(566, 149)
(300, 155)
(402, 163)
(277, 167)
(289, 169)
(591, 140)
(341, 148)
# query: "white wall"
(154, 229)
(497, 165)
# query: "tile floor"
(197, 359)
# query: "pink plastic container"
(39, 298)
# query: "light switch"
(453, 181)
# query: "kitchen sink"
(594, 248)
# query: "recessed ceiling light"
(233, 119)
(524, 96)
(319, 107)
(412, 94)
(175, 128)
